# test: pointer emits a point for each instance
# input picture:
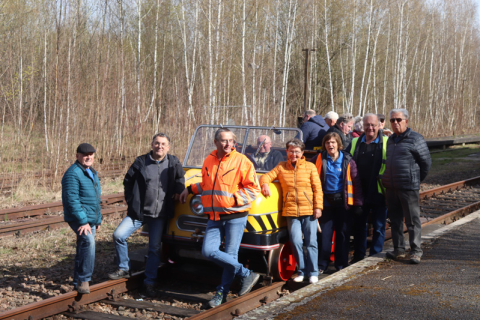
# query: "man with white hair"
(369, 152)
(408, 162)
(342, 128)
(331, 118)
(314, 129)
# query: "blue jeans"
(232, 230)
(306, 225)
(379, 217)
(85, 255)
(339, 219)
(155, 232)
(120, 236)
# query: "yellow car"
(265, 246)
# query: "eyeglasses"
(294, 152)
(393, 120)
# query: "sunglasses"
(393, 120)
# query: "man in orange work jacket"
(229, 184)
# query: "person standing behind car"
(152, 184)
(81, 208)
(342, 197)
(369, 152)
(229, 185)
(313, 129)
(342, 127)
(302, 205)
(408, 163)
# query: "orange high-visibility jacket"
(228, 185)
(301, 187)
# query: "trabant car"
(265, 247)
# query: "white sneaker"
(298, 279)
(313, 279)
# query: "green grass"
(457, 152)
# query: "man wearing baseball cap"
(81, 209)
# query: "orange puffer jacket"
(302, 190)
(228, 185)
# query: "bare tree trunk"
(332, 102)
(155, 65)
(244, 84)
(361, 107)
(139, 50)
(45, 93)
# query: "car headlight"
(196, 205)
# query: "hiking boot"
(148, 290)
(83, 288)
(119, 274)
(394, 255)
(217, 299)
(248, 283)
(415, 259)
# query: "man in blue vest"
(81, 209)
(369, 152)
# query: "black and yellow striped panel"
(263, 224)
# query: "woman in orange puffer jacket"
(302, 205)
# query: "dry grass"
(32, 191)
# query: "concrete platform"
(445, 285)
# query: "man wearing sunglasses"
(407, 164)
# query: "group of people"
(348, 181)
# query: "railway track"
(441, 205)
(43, 221)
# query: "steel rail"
(449, 188)
(47, 223)
(40, 209)
(242, 304)
(73, 300)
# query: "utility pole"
(307, 77)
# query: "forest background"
(114, 72)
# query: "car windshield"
(264, 146)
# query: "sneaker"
(394, 255)
(415, 259)
(248, 283)
(83, 288)
(298, 279)
(119, 274)
(320, 271)
(313, 279)
(148, 290)
(217, 299)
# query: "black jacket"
(371, 195)
(408, 161)
(135, 186)
(346, 139)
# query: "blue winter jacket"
(313, 132)
(81, 196)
